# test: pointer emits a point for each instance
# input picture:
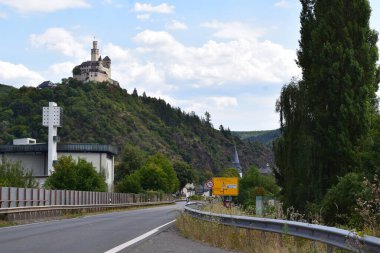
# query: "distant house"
(266, 170)
(46, 84)
(33, 156)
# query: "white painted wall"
(37, 162)
(30, 161)
(99, 161)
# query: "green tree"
(162, 162)
(132, 159)
(254, 184)
(78, 175)
(153, 178)
(76, 70)
(229, 172)
(185, 173)
(129, 184)
(325, 115)
(12, 174)
(340, 202)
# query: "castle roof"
(106, 58)
(89, 63)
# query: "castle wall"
(94, 70)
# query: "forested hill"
(264, 137)
(100, 113)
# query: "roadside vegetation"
(12, 174)
(327, 158)
(79, 175)
(242, 240)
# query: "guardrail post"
(330, 249)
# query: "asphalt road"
(111, 233)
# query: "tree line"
(329, 117)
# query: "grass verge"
(244, 240)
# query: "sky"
(227, 57)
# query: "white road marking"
(137, 239)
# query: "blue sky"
(228, 57)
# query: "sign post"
(226, 187)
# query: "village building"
(266, 170)
(33, 157)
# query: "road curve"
(95, 233)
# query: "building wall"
(37, 162)
(30, 161)
(100, 161)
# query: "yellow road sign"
(225, 186)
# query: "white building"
(97, 70)
(34, 156)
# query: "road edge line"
(137, 239)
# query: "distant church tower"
(94, 51)
(236, 163)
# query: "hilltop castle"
(97, 70)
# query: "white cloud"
(224, 102)
(281, 4)
(162, 8)
(61, 40)
(44, 5)
(176, 25)
(155, 38)
(233, 30)
(143, 16)
(62, 69)
(240, 115)
(18, 75)
(113, 3)
(3, 15)
(217, 63)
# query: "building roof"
(106, 58)
(89, 63)
(235, 162)
(266, 170)
(75, 148)
(46, 84)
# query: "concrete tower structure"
(52, 118)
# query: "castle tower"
(236, 163)
(94, 51)
(107, 65)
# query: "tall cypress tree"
(325, 115)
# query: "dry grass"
(240, 239)
(218, 207)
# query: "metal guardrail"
(73, 207)
(335, 237)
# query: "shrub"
(129, 184)
(339, 203)
(12, 174)
(78, 175)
